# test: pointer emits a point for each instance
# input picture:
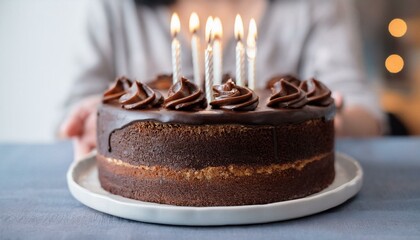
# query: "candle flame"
(194, 22)
(239, 28)
(209, 29)
(252, 33)
(175, 25)
(217, 28)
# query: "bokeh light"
(394, 63)
(397, 27)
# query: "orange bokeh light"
(397, 27)
(394, 63)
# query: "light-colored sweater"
(306, 38)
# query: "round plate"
(82, 179)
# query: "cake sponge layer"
(181, 146)
(217, 186)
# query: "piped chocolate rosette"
(285, 94)
(226, 77)
(119, 88)
(317, 93)
(140, 96)
(161, 82)
(186, 96)
(232, 97)
(288, 78)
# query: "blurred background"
(37, 38)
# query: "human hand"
(80, 125)
(354, 121)
(338, 120)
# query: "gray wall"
(36, 39)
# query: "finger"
(339, 125)
(73, 125)
(81, 148)
(89, 132)
(86, 142)
(338, 100)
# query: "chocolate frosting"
(286, 95)
(231, 97)
(161, 82)
(185, 95)
(317, 93)
(141, 96)
(226, 77)
(119, 88)
(288, 78)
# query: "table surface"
(35, 202)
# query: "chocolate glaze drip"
(288, 78)
(286, 95)
(231, 97)
(120, 87)
(185, 95)
(140, 96)
(114, 117)
(317, 93)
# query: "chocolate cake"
(240, 148)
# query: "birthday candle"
(251, 52)
(176, 48)
(240, 52)
(195, 47)
(217, 51)
(209, 60)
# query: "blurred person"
(306, 38)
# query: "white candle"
(176, 48)
(251, 52)
(208, 57)
(240, 52)
(195, 48)
(217, 51)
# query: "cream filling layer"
(230, 171)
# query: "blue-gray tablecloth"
(36, 204)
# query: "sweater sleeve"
(332, 53)
(93, 61)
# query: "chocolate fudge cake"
(242, 147)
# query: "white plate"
(82, 179)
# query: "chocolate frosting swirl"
(185, 95)
(231, 97)
(288, 78)
(141, 96)
(119, 88)
(286, 95)
(317, 93)
(226, 77)
(161, 82)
